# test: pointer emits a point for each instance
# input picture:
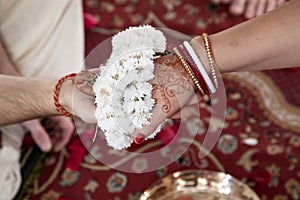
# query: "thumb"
(148, 131)
(41, 137)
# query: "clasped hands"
(173, 91)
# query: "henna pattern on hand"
(170, 80)
(158, 90)
(170, 73)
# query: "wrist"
(199, 47)
(65, 97)
(62, 95)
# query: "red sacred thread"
(58, 106)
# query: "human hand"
(173, 91)
(60, 130)
(55, 133)
(77, 96)
(39, 134)
(84, 96)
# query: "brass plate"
(197, 185)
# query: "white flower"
(125, 125)
(118, 140)
(136, 38)
(123, 92)
(140, 119)
(105, 118)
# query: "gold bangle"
(189, 70)
(210, 58)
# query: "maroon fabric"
(271, 167)
(287, 80)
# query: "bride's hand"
(173, 91)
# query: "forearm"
(267, 42)
(23, 98)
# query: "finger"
(60, 143)
(271, 5)
(261, 7)
(185, 112)
(279, 2)
(157, 119)
(63, 132)
(251, 9)
(161, 112)
(237, 7)
(41, 137)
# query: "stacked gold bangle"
(210, 59)
(189, 70)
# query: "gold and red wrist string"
(58, 106)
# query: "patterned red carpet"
(261, 107)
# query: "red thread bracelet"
(58, 106)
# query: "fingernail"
(139, 138)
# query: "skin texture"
(20, 102)
(172, 89)
(170, 81)
(54, 134)
(267, 42)
(61, 128)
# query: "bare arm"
(23, 98)
(270, 41)
(60, 132)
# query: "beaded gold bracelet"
(61, 110)
(194, 69)
(210, 59)
(189, 70)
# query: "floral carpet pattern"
(260, 142)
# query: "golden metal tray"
(197, 185)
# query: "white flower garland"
(123, 92)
